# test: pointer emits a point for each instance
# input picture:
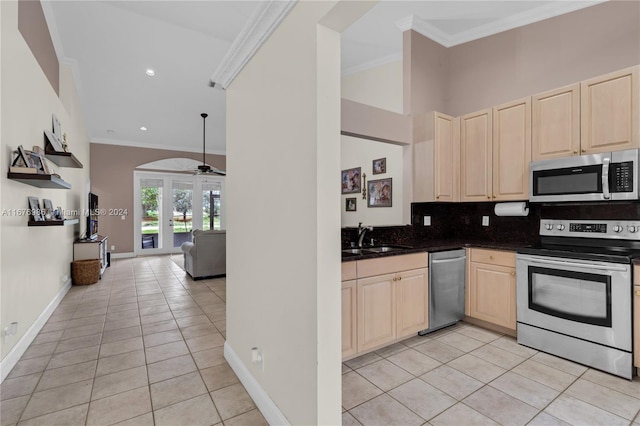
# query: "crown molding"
(262, 23)
(547, 11)
(133, 144)
(394, 57)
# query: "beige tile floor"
(143, 346)
(466, 375)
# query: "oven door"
(583, 299)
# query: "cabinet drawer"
(494, 257)
(391, 264)
(348, 271)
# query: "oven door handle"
(578, 265)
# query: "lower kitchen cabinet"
(388, 303)
(349, 310)
(636, 316)
(492, 287)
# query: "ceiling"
(110, 45)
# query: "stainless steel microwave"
(597, 177)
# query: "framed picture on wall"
(350, 204)
(351, 180)
(380, 193)
(379, 166)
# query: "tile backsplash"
(463, 221)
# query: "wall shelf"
(64, 222)
(40, 181)
(63, 159)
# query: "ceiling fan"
(204, 168)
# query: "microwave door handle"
(605, 178)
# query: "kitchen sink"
(386, 249)
(353, 252)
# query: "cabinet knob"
(494, 197)
(488, 197)
(491, 257)
(637, 292)
(437, 197)
(513, 273)
(399, 278)
(575, 151)
(584, 150)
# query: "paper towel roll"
(512, 209)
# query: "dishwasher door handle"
(455, 259)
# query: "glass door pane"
(211, 192)
(151, 217)
(182, 214)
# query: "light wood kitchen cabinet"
(376, 311)
(412, 302)
(555, 120)
(636, 316)
(391, 302)
(436, 158)
(491, 287)
(349, 309)
(610, 119)
(476, 156)
(511, 150)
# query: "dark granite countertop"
(438, 245)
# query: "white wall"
(34, 260)
(356, 152)
(380, 87)
(283, 229)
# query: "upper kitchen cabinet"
(556, 123)
(610, 118)
(436, 158)
(476, 156)
(511, 150)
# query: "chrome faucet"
(361, 231)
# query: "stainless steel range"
(574, 292)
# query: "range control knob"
(617, 228)
(549, 226)
(560, 227)
(632, 229)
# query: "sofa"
(206, 255)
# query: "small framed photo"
(34, 208)
(47, 206)
(351, 181)
(57, 128)
(379, 166)
(39, 162)
(53, 141)
(350, 204)
(24, 156)
(380, 193)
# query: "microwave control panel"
(621, 177)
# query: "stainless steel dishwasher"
(447, 273)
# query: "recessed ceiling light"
(150, 72)
(143, 128)
(110, 131)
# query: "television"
(92, 217)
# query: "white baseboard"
(267, 407)
(122, 255)
(12, 358)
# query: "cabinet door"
(376, 311)
(556, 123)
(609, 112)
(412, 296)
(349, 309)
(446, 157)
(511, 150)
(636, 325)
(475, 156)
(493, 294)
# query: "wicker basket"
(85, 272)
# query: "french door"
(168, 207)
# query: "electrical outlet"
(9, 330)
(257, 358)
(485, 220)
(426, 220)
(113, 248)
